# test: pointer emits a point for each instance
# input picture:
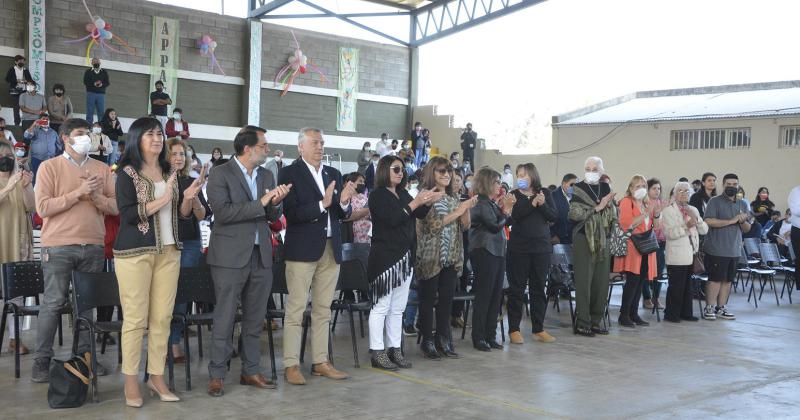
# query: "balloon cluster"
(298, 64)
(207, 46)
(100, 29)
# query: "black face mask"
(159, 89)
(731, 191)
(6, 164)
(59, 94)
(20, 65)
(361, 188)
(96, 65)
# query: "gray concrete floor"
(737, 369)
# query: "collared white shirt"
(252, 182)
(75, 162)
(317, 175)
(569, 199)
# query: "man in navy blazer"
(314, 209)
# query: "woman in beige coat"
(682, 226)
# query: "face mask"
(97, 130)
(394, 146)
(508, 171)
(406, 146)
(454, 163)
(731, 191)
(96, 65)
(20, 153)
(764, 196)
(522, 184)
(592, 177)
(59, 94)
(30, 88)
(176, 116)
(570, 191)
(375, 162)
(277, 158)
(160, 89)
(361, 188)
(82, 144)
(466, 165)
(6, 164)
(46, 127)
(20, 65)
(468, 185)
(640, 194)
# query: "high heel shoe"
(133, 402)
(166, 397)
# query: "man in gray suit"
(243, 196)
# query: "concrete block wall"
(13, 15)
(383, 69)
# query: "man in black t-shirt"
(159, 101)
(469, 140)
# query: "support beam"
(429, 21)
(347, 15)
(264, 8)
(352, 22)
(391, 4)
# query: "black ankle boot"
(429, 350)
(396, 356)
(381, 360)
(445, 347)
(625, 321)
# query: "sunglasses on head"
(396, 169)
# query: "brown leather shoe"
(215, 387)
(293, 375)
(258, 381)
(516, 337)
(325, 369)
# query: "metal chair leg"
(271, 351)
(466, 317)
(16, 349)
(200, 341)
(3, 324)
(60, 331)
(188, 356)
(353, 337)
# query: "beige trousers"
(147, 287)
(321, 277)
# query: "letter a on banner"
(164, 56)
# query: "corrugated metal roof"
(724, 105)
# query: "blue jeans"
(114, 156)
(419, 155)
(35, 167)
(95, 103)
(410, 314)
(190, 257)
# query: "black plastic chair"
(561, 261)
(617, 280)
(90, 290)
(352, 276)
(359, 251)
(698, 285)
(23, 279)
(194, 285)
(771, 258)
(764, 276)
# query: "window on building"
(790, 136)
(710, 139)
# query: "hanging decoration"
(348, 89)
(207, 45)
(99, 35)
(298, 64)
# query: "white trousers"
(387, 317)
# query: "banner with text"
(36, 42)
(348, 89)
(164, 57)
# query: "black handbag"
(69, 382)
(645, 243)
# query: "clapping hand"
(326, 200)
(468, 204)
(27, 178)
(427, 197)
(538, 199)
(277, 195)
(191, 192)
(348, 192)
(510, 199)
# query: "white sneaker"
(709, 313)
(723, 313)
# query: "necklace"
(595, 194)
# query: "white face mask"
(82, 144)
(176, 116)
(97, 130)
(20, 153)
(592, 177)
(640, 194)
(30, 88)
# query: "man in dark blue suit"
(561, 230)
(314, 209)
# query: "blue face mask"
(522, 184)
(570, 190)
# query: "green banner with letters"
(164, 57)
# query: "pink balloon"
(90, 27)
(206, 39)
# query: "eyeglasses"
(396, 169)
(682, 192)
(444, 171)
(261, 146)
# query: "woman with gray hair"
(593, 210)
(682, 227)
